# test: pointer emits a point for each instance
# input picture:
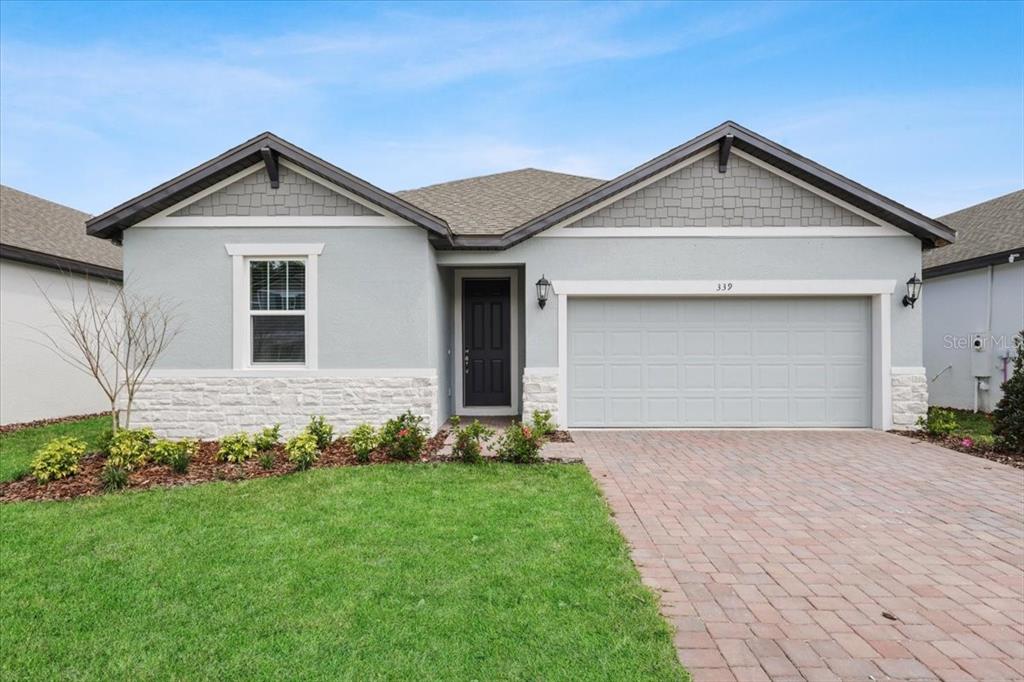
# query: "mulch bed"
(203, 468)
(560, 437)
(9, 428)
(1014, 459)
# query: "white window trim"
(880, 292)
(241, 324)
(514, 394)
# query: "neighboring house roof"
(38, 231)
(494, 204)
(986, 234)
(265, 146)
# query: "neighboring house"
(728, 282)
(974, 304)
(44, 248)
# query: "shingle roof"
(494, 204)
(987, 228)
(29, 222)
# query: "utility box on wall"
(981, 354)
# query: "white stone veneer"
(540, 391)
(909, 396)
(209, 407)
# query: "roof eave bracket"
(724, 149)
(273, 169)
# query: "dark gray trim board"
(1000, 258)
(16, 253)
(109, 225)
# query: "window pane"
(296, 285)
(278, 338)
(278, 284)
(258, 285)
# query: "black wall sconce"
(913, 291)
(543, 289)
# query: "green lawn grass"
(973, 423)
(18, 447)
(395, 571)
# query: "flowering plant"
(404, 436)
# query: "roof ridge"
(494, 175)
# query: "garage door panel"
(662, 343)
(712, 362)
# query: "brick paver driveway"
(777, 553)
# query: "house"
(974, 304)
(729, 282)
(44, 248)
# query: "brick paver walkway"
(776, 553)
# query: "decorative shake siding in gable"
(297, 195)
(699, 196)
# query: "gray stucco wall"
(297, 195)
(957, 306)
(895, 258)
(375, 301)
(699, 196)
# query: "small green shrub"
(543, 424)
(267, 459)
(363, 440)
(322, 431)
(113, 477)
(130, 448)
(520, 444)
(58, 459)
(236, 448)
(469, 440)
(1008, 417)
(938, 422)
(175, 454)
(303, 450)
(404, 436)
(267, 438)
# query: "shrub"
(236, 448)
(303, 450)
(322, 431)
(267, 438)
(543, 425)
(113, 477)
(58, 459)
(469, 440)
(1008, 417)
(519, 443)
(130, 448)
(938, 422)
(267, 459)
(363, 440)
(175, 454)
(404, 436)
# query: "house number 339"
(723, 286)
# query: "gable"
(296, 195)
(746, 195)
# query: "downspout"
(988, 327)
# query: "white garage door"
(719, 362)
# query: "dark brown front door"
(486, 338)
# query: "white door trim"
(880, 291)
(512, 275)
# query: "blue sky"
(98, 102)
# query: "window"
(277, 311)
(274, 306)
